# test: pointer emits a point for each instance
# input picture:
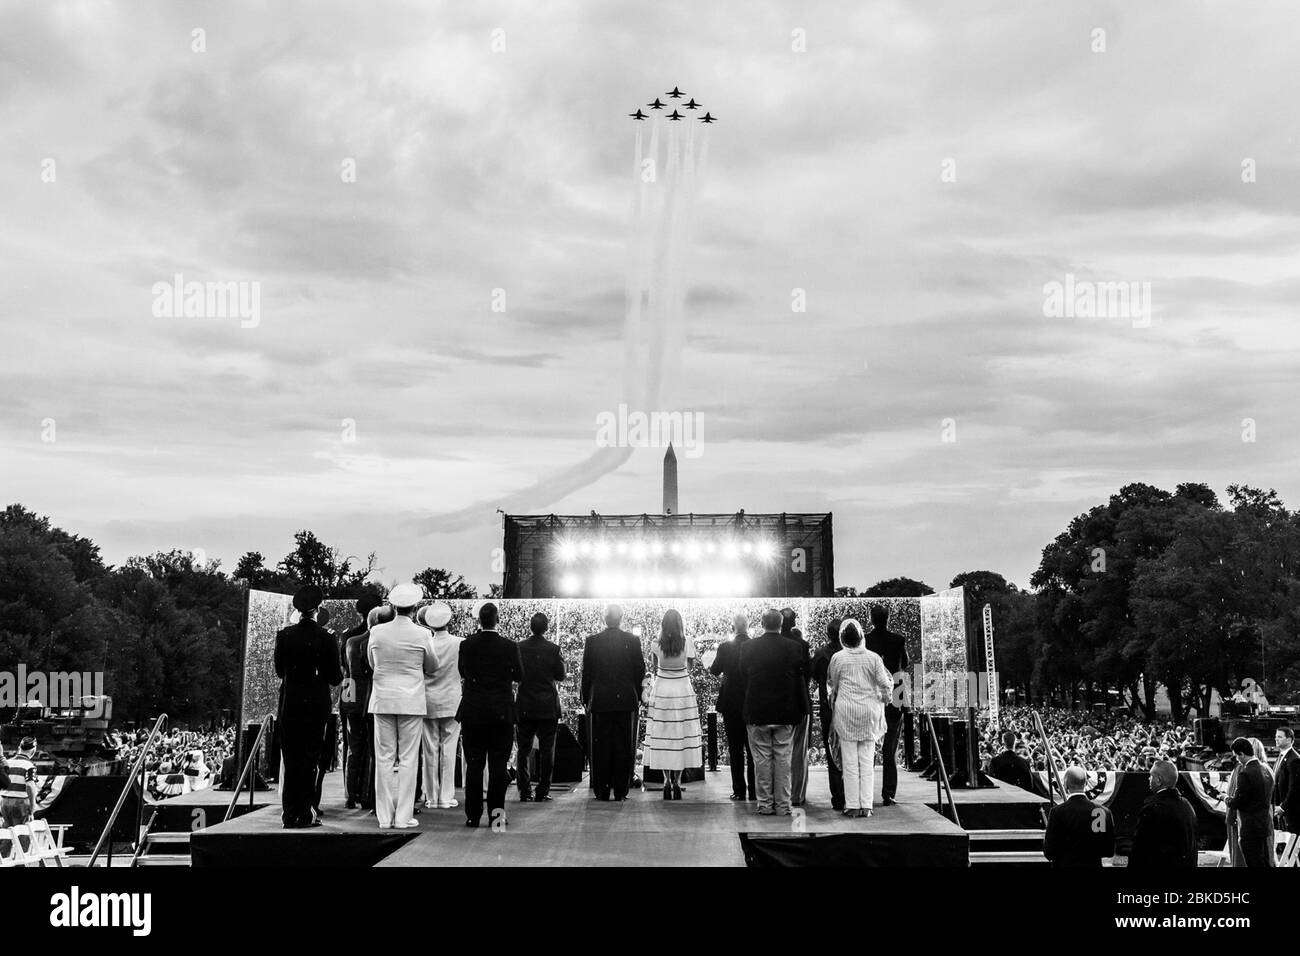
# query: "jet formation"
(674, 116)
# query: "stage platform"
(705, 828)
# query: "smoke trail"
(661, 215)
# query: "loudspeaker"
(1209, 733)
(570, 760)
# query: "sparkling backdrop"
(934, 628)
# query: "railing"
(249, 764)
(136, 769)
(942, 785)
(1053, 781)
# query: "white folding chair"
(7, 857)
(43, 845)
(1290, 851)
(17, 856)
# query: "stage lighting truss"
(691, 550)
(625, 583)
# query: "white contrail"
(660, 220)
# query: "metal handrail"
(1052, 778)
(248, 764)
(941, 779)
(137, 768)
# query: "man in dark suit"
(820, 667)
(1253, 802)
(775, 672)
(1079, 833)
(1166, 828)
(489, 666)
(358, 727)
(1286, 781)
(731, 705)
(613, 670)
(893, 651)
(538, 706)
(307, 663)
(1010, 767)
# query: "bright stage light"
(730, 551)
(617, 585)
(693, 551)
(584, 548)
(747, 548)
(568, 551)
(687, 584)
(639, 551)
(621, 547)
(656, 548)
(570, 584)
(670, 585)
(710, 547)
(602, 551)
(641, 585)
(766, 549)
(675, 547)
(739, 584)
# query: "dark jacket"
(1253, 802)
(490, 666)
(1079, 833)
(543, 666)
(774, 672)
(1010, 767)
(1286, 788)
(356, 664)
(307, 663)
(821, 665)
(1166, 833)
(612, 671)
(892, 649)
(726, 663)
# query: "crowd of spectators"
(179, 761)
(1090, 739)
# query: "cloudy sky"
(491, 151)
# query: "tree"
(50, 618)
(313, 562)
(898, 587)
(441, 585)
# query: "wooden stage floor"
(575, 829)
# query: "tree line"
(1153, 589)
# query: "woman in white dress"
(672, 737)
(859, 685)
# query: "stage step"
(175, 847)
(1006, 841)
(164, 859)
(1008, 858)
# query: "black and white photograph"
(587, 435)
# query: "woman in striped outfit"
(672, 737)
(859, 685)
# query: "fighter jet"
(675, 93)
(708, 118)
(656, 105)
(674, 116)
(638, 115)
(692, 105)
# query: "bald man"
(1079, 833)
(1166, 829)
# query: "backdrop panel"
(934, 628)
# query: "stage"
(705, 828)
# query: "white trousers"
(858, 764)
(397, 754)
(441, 735)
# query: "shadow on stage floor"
(705, 828)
